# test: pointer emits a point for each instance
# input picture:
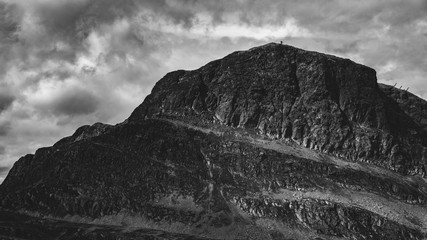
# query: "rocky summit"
(270, 143)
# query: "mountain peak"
(321, 101)
(280, 47)
(270, 143)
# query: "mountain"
(270, 143)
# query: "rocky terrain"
(270, 143)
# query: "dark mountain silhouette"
(270, 143)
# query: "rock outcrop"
(323, 102)
(270, 143)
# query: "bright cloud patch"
(203, 26)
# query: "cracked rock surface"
(321, 101)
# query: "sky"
(68, 63)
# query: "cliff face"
(258, 145)
(323, 102)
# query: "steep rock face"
(412, 105)
(321, 101)
(224, 152)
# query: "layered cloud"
(65, 63)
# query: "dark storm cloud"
(74, 20)
(5, 101)
(342, 48)
(2, 151)
(5, 127)
(76, 103)
(31, 40)
(9, 27)
(60, 74)
(71, 101)
(8, 23)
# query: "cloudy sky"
(67, 63)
